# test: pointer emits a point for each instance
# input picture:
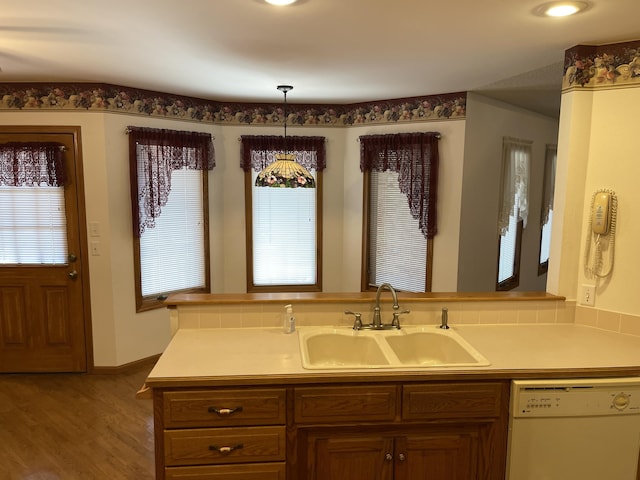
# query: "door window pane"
(33, 225)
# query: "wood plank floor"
(75, 427)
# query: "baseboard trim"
(126, 368)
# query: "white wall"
(120, 335)
(488, 121)
(445, 247)
(599, 139)
(231, 278)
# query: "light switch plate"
(588, 295)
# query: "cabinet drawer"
(224, 445)
(253, 471)
(345, 404)
(438, 401)
(210, 408)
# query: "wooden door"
(436, 456)
(43, 323)
(340, 457)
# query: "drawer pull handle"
(224, 412)
(225, 450)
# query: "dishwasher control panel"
(540, 398)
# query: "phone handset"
(601, 233)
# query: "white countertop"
(228, 355)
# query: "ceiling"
(331, 51)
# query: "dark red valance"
(32, 164)
(153, 154)
(414, 156)
(258, 151)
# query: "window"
(284, 233)
(33, 221)
(514, 210)
(546, 216)
(169, 192)
(400, 190)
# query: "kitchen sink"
(335, 350)
(434, 348)
(410, 347)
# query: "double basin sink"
(410, 347)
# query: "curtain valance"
(154, 154)
(414, 156)
(258, 151)
(32, 164)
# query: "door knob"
(73, 275)
(388, 457)
(402, 457)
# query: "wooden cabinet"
(220, 434)
(391, 430)
(448, 454)
(439, 431)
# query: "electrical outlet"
(588, 295)
(95, 248)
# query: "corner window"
(283, 224)
(400, 192)
(169, 192)
(514, 210)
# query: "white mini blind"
(33, 225)
(508, 247)
(545, 239)
(284, 235)
(172, 253)
(397, 248)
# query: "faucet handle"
(444, 324)
(396, 318)
(357, 323)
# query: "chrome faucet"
(377, 321)
(377, 324)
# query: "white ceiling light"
(560, 9)
(280, 2)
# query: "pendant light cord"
(284, 89)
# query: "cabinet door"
(445, 455)
(351, 457)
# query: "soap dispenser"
(289, 321)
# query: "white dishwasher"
(579, 429)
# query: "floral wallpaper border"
(112, 98)
(593, 66)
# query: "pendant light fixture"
(285, 172)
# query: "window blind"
(509, 246)
(284, 235)
(397, 247)
(172, 253)
(33, 225)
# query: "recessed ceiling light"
(280, 2)
(560, 9)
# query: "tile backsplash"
(257, 314)
(608, 320)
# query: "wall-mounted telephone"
(601, 232)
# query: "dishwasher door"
(574, 429)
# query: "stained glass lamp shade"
(285, 172)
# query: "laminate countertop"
(230, 356)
